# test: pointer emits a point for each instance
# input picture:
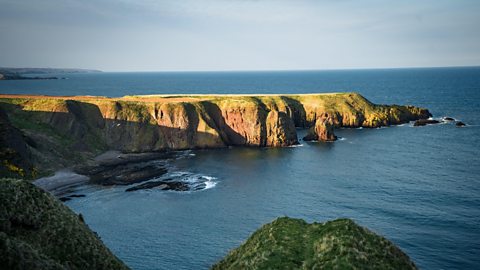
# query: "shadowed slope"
(39, 232)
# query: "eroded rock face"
(322, 131)
(15, 155)
(280, 130)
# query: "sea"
(417, 186)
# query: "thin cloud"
(226, 35)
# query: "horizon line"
(245, 70)
(282, 70)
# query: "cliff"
(68, 130)
(39, 232)
(294, 244)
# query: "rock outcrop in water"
(68, 130)
(294, 244)
(39, 232)
(424, 122)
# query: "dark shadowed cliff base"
(57, 132)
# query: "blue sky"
(148, 35)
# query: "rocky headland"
(41, 134)
(288, 243)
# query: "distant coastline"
(23, 73)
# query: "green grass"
(39, 232)
(288, 243)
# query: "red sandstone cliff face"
(72, 129)
(280, 130)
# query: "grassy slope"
(294, 244)
(39, 232)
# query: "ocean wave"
(295, 145)
(210, 184)
(194, 181)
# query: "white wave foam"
(210, 184)
(209, 178)
(342, 138)
(295, 145)
(178, 174)
(443, 118)
(195, 181)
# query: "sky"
(194, 35)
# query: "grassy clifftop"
(288, 243)
(39, 232)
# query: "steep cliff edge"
(39, 232)
(288, 243)
(60, 131)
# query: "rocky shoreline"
(135, 171)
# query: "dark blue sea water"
(418, 186)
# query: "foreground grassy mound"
(288, 243)
(38, 232)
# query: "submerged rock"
(449, 119)
(288, 243)
(423, 122)
(460, 124)
(127, 174)
(64, 199)
(126, 169)
(163, 185)
(39, 232)
(77, 196)
(70, 197)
